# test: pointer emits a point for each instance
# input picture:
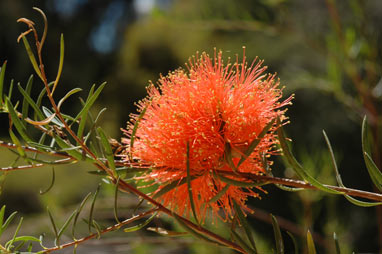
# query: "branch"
(108, 229)
(305, 185)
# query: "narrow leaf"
(245, 224)
(40, 97)
(339, 180)
(26, 238)
(116, 200)
(242, 243)
(32, 57)
(16, 141)
(97, 228)
(310, 242)
(90, 102)
(374, 172)
(295, 245)
(63, 228)
(92, 207)
(219, 194)
(192, 231)
(228, 157)
(70, 93)
(25, 108)
(135, 128)
(300, 171)
(141, 225)
(53, 223)
(338, 250)
(8, 245)
(55, 119)
(278, 237)
(165, 232)
(7, 222)
(2, 211)
(11, 89)
(51, 183)
(171, 186)
(255, 143)
(72, 151)
(16, 121)
(78, 211)
(238, 183)
(60, 65)
(27, 97)
(42, 122)
(189, 187)
(107, 148)
(2, 75)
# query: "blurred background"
(327, 53)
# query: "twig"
(108, 229)
(305, 185)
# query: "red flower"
(217, 109)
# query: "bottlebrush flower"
(217, 110)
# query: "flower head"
(204, 119)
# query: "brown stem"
(108, 229)
(305, 185)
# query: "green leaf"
(71, 150)
(219, 194)
(90, 102)
(310, 242)
(98, 229)
(107, 148)
(29, 101)
(61, 63)
(300, 171)
(20, 127)
(53, 224)
(338, 249)
(245, 224)
(25, 108)
(9, 244)
(32, 57)
(26, 238)
(92, 207)
(228, 157)
(242, 243)
(2, 218)
(71, 92)
(278, 236)
(63, 228)
(55, 119)
(40, 97)
(192, 231)
(165, 232)
(339, 180)
(238, 183)
(171, 186)
(255, 143)
(2, 75)
(78, 211)
(135, 128)
(116, 200)
(295, 245)
(7, 222)
(374, 172)
(11, 89)
(16, 141)
(51, 183)
(141, 225)
(189, 187)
